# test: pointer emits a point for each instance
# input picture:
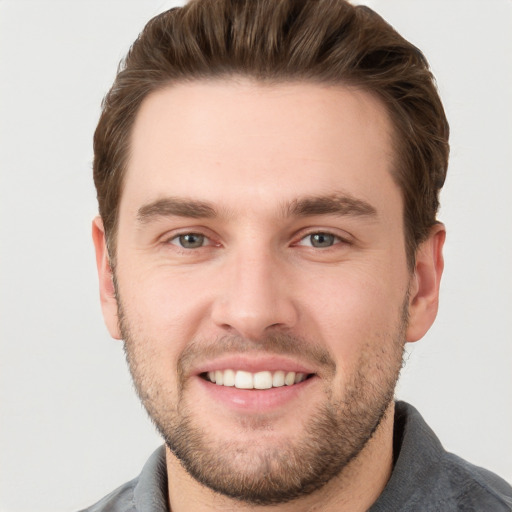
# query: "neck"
(355, 489)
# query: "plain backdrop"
(71, 428)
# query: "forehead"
(242, 144)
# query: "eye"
(319, 240)
(190, 240)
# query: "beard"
(259, 470)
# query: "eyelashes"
(189, 240)
(196, 240)
(320, 240)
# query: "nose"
(255, 296)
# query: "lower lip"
(256, 400)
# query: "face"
(261, 278)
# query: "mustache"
(199, 351)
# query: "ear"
(107, 292)
(424, 287)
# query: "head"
(268, 176)
(326, 42)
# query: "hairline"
(238, 77)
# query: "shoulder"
(428, 478)
(474, 488)
(455, 483)
(119, 500)
(146, 492)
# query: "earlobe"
(424, 288)
(106, 282)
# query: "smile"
(260, 380)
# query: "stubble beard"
(250, 472)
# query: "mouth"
(260, 380)
(255, 384)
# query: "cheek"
(356, 312)
(166, 306)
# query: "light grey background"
(71, 428)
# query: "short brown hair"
(324, 41)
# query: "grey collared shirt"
(425, 478)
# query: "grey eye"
(322, 240)
(189, 240)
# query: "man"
(268, 176)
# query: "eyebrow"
(334, 204)
(175, 207)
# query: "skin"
(252, 152)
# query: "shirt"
(425, 478)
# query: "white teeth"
(243, 380)
(290, 378)
(229, 378)
(278, 379)
(299, 377)
(260, 380)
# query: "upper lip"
(254, 364)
